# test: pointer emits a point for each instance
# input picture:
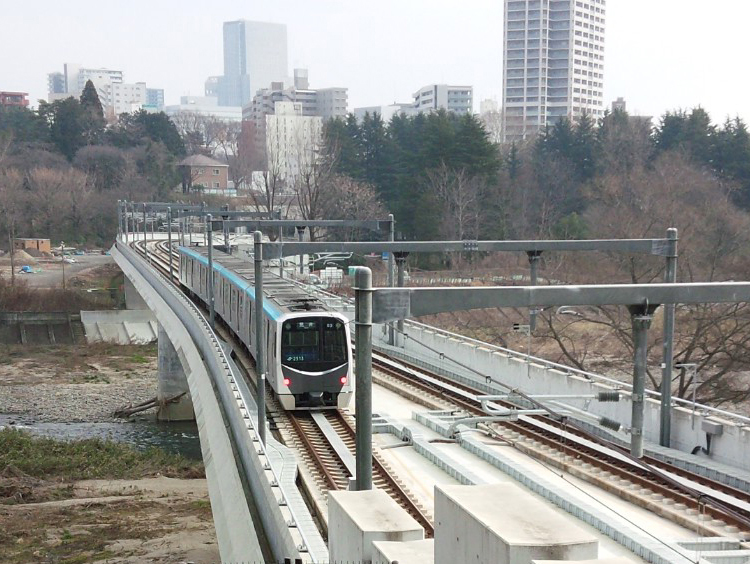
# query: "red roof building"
(20, 99)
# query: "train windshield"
(313, 339)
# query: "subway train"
(308, 350)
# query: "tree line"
(618, 177)
(62, 167)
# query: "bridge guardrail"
(274, 522)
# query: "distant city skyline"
(661, 56)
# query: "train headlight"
(343, 380)
(287, 381)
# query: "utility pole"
(260, 351)
(210, 244)
(62, 259)
(11, 237)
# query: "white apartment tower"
(553, 63)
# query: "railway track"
(320, 433)
(556, 444)
(325, 440)
(552, 441)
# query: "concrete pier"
(357, 518)
(133, 299)
(172, 382)
(504, 524)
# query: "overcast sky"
(661, 54)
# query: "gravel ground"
(75, 402)
(70, 384)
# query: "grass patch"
(50, 459)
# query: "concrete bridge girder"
(235, 528)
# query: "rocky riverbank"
(75, 383)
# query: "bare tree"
(713, 239)
(460, 195)
(493, 125)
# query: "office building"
(56, 86)
(386, 112)
(457, 99)
(115, 95)
(430, 98)
(255, 55)
(154, 99)
(325, 103)
(204, 106)
(292, 140)
(553, 63)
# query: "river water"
(179, 437)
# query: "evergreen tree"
(66, 119)
(90, 100)
(92, 115)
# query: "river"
(176, 437)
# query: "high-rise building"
(255, 55)
(553, 63)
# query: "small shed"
(41, 245)
(203, 173)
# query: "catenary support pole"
(210, 245)
(363, 376)
(281, 254)
(301, 236)
(670, 276)
(391, 238)
(641, 321)
(119, 219)
(400, 280)
(125, 220)
(260, 351)
(180, 230)
(227, 248)
(534, 257)
(169, 243)
(145, 248)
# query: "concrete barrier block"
(411, 552)
(613, 560)
(504, 524)
(357, 518)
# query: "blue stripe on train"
(270, 309)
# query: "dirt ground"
(156, 520)
(48, 273)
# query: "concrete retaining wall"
(48, 328)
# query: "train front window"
(300, 341)
(318, 340)
(334, 340)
